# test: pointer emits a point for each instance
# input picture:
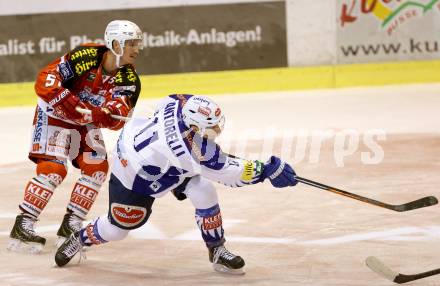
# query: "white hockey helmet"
(121, 31)
(205, 114)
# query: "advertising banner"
(387, 30)
(176, 39)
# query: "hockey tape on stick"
(384, 271)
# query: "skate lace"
(221, 251)
(73, 247)
(75, 223)
(28, 225)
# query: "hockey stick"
(420, 203)
(87, 111)
(382, 270)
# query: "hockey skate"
(71, 223)
(23, 237)
(226, 262)
(67, 251)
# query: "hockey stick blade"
(420, 203)
(384, 271)
(417, 204)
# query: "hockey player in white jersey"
(175, 151)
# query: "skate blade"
(17, 245)
(225, 270)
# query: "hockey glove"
(118, 107)
(279, 173)
(65, 103)
(101, 116)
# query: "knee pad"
(201, 192)
(97, 169)
(54, 171)
(127, 210)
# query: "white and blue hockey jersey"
(153, 156)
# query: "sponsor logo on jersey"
(128, 216)
(84, 66)
(131, 76)
(89, 52)
(57, 99)
(130, 88)
(127, 74)
(86, 95)
(36, 147)
(118, 94)
(65, 71)
(118, 77)
(125, 90)
(59, 143)
(41, 120)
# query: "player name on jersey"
(170, 130)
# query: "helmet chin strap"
(118, 56)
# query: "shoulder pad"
(126, 75)
(204, 151)
(84, 58)
(127, 83)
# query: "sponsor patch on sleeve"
(65, 71)
(248, 171)
(251, 170)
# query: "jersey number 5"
(50, 80)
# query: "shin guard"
(83, 196)
(210, 224)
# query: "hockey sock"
(209, 222)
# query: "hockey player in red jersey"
(102, 79)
